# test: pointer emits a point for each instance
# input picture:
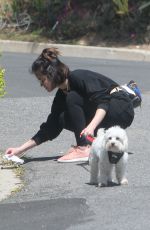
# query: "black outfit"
(74, 110)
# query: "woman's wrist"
(27, 145)
(99, 116)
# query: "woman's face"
(46, 83)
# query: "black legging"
(76, 117)
(80, 112)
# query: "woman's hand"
(89, 130)
(13, 151)
(97, 119)
(21, 149)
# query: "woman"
(84, 102)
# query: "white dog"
(109, 150)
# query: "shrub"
(2, 82)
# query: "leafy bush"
(2, 82)
(73, 25)
(64, 19)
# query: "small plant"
(2, 82)
(121, 7)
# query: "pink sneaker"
(76, 154)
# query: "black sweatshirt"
(92, 86)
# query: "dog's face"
(115, 139)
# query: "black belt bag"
(132, 90)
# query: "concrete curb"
(77, 50)
(9, 182)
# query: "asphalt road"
(58, 196)
(21, 83)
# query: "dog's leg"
(121, 170)
(104, 174)
(94, 166)
(110, 180)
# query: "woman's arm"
(21, 149)
(97, 119)
(49, 129)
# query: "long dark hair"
(49, 64)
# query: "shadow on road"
(28, 159)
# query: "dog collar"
(114, 157)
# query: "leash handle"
(89, 138)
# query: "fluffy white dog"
(109, 150)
